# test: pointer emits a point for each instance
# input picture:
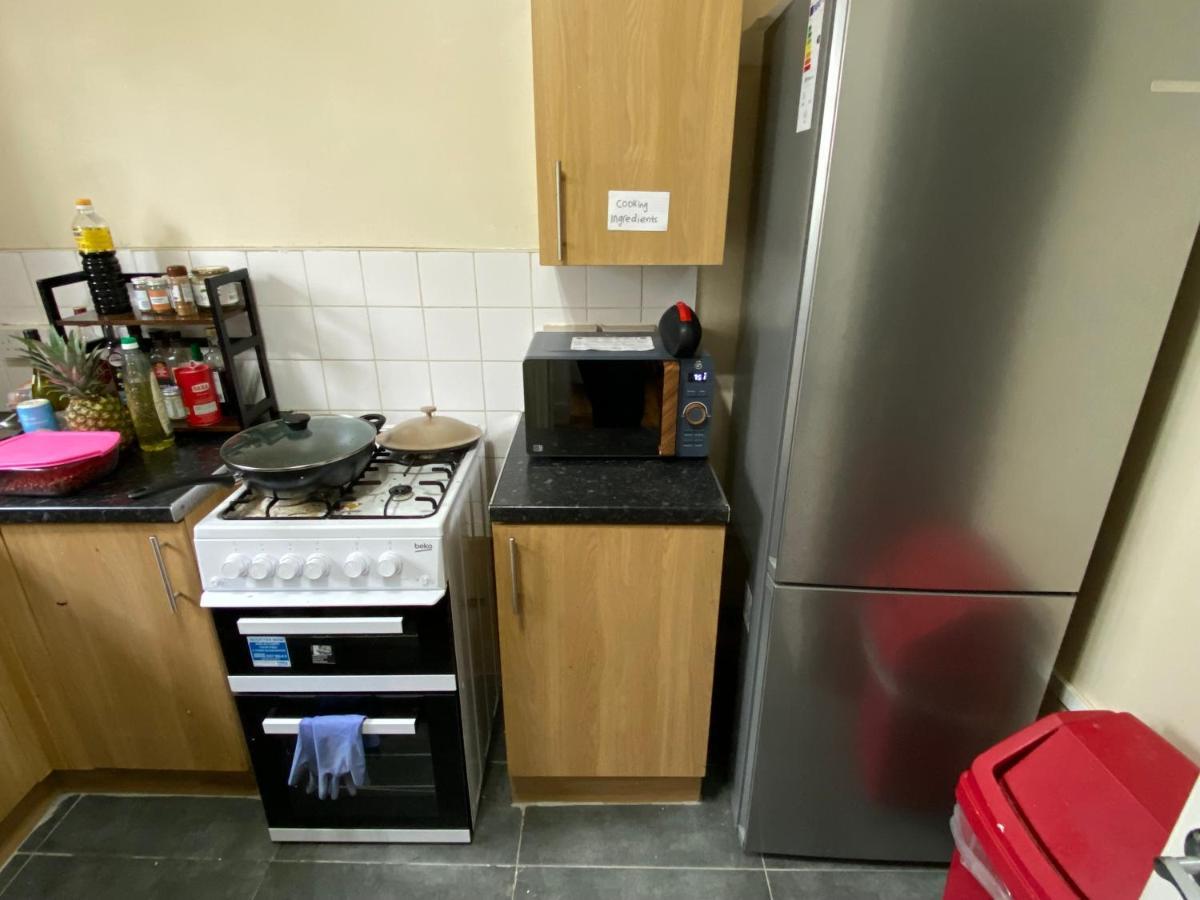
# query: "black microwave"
(608, 395)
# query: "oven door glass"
(348, 641)
(594, 407)
(414, 760)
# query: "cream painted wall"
(1134, 642)
(270, 123)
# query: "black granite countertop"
(107, 500)
(606, 491)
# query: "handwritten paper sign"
(638, 210)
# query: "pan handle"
(161, 486)
(375, 419)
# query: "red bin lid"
(1096, 796)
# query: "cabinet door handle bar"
(512, 574)
(172, 594)
(558, 206)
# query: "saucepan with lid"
(292, 456)
(430, 433)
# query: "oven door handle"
(324, 625)
(370, 726)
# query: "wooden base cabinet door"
(634, 95)
(130, 674)
(607, 638)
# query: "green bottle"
(144, 398)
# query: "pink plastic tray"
(45, 449)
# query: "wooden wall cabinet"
(607, 639)
(125, 675)
(634, 95)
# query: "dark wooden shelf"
(227, 425)
(127, 319)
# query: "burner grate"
(395, 485)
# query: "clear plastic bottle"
(216, 361)
(98, 256)
(144, 398)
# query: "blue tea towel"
(329, 749)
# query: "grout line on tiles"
(766, 877)
(66, 812)
(424, 330)
(517, 862)
(428, 864)
(17, 873)
(646, 867)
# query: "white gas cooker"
(353, 547)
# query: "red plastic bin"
(1076, 805)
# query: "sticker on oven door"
(322, 654)
(269, 651)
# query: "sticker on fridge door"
(638, 210)
(812, 55)
(269, 651)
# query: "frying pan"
(291, 456)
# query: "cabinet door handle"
(172, 594)
(558, 205)
(512, 575)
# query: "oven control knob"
(388, 565)
(235, 565)
(695, 413)
(316, 566)
(356, 565)
(290, 565)
(262, 567)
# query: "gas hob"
(382, 533)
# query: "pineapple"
(79, 374)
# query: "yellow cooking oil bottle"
(144, 398)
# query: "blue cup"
(36, 415)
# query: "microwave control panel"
(697, 387)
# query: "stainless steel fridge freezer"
(958, 278)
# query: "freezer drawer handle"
(330, 625)
(370, 726)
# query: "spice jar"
(173, 401)
(229, 295)
(182, 300)
(138, 296)
(158, 290)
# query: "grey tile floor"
(187, 848)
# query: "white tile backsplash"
(447, 278)
(47, 263)
(457, 385)
(404, 385)
(158, 260)
(15, 289)
(398, 332)
(234, 259)
(343, 332)
(452, 333)
(278, 277)
(544, 317)
(390, 278)
(289, 332)
(601, 316)
(362, 330)
(558, 286)
(503, 386)
(502, 279)
(299, 384)
(664, 285)
(352, 385)
(505, 333)
(334, 277)
(614, 286)
(500, 428)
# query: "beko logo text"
(422, 547)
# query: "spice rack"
(242, 411)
